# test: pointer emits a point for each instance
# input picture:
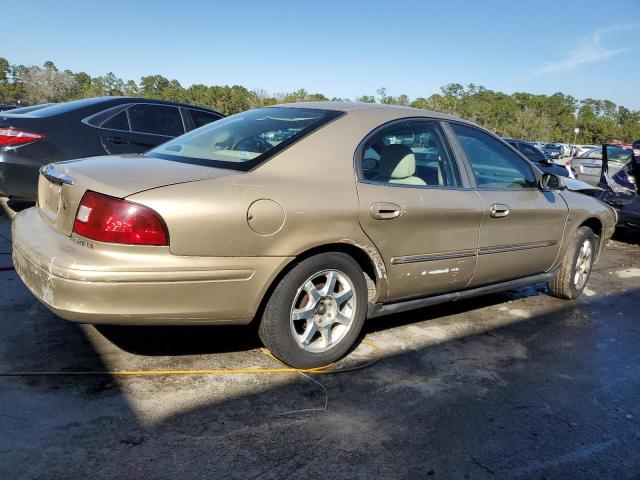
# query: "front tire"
(576, 267)
(316, 312)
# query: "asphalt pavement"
(518, 385)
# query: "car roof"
(66, 107)
(394, 111)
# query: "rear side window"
(117, 122)
(201, 118)
(156, 119)
(495, 165)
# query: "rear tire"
(576, 266)
(316, 312)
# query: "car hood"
(124, 175)
(578, 185)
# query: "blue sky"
(345, 48)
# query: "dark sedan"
(538, 158)
(86, 128)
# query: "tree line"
(520, 115)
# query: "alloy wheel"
(323, 310)
(583, 264)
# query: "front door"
(415, 208)
(523, 226)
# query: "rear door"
(416, 206)
(140, 127)
(522, 226)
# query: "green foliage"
(522, 115)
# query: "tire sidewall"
(279, 310)
(582, 235)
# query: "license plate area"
(50, 200)
(589, 170)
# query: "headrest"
(397, 161)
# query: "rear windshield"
(243, 141)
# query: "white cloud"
(590, 50)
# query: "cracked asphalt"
(517, 386)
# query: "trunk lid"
(61, 185)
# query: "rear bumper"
(136, 285)
(18, 176)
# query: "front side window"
(244, 140)
(410, 153)
(495, 165)
(156, 119)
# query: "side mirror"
(551, 181)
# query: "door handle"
(385, 211)
(117, 140)
(498, 210)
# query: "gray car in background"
(553, 150)
(588, 165)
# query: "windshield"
(617, 154)
(552, 146)
(244, 140)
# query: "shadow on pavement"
(627, 236)
(196, 340)
(468, 390)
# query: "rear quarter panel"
(311, 190)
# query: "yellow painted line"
(224, 371)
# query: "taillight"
(112, 220)
(13, 136)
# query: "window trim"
(125, 107)
(535, 172)
(358, 156)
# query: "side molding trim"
(471, 253)
(378, 310)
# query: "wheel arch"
(597, 227)
(367, 257)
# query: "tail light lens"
(13, 136)
(112, 220)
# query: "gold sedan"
(307, 218)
